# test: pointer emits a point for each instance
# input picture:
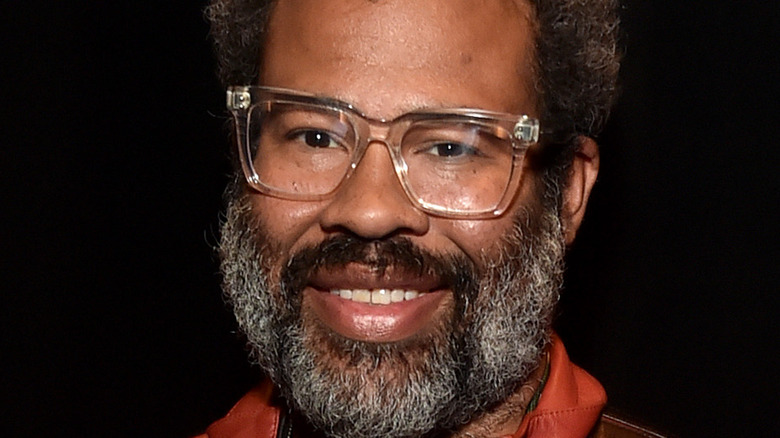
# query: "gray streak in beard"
(346, 388)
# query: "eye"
(316, 139)
(451, 150)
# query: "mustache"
(398, 253)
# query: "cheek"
(479, 239)
(285, 221)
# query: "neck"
(506, 418)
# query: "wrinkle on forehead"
(383, 26)
(452, 41)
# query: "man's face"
(477, 294)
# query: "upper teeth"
(377, 296)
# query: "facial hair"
(476, 356)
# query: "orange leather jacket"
(570, 406)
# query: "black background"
(114, 156)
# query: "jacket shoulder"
(611, 425)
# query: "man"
(409, 175)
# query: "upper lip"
(360, 276)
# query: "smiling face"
(362, 305)
(388, 58)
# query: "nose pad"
(371, 203)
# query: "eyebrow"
(413, 105)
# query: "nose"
(371, 203)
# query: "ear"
(582, 176)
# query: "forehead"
(391, 56)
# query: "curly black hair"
(577, 63)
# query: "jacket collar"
(571, 401)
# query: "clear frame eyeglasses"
(456, 163)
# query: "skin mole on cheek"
(466, 58)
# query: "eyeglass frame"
(524, 131)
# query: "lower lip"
(375, 323)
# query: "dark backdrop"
(113, 161)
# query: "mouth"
(360, 303)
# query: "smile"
(377, 296)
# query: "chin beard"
(476, 356)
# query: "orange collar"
(571, 400)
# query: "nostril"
(374, 215)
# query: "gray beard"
(474, 359)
